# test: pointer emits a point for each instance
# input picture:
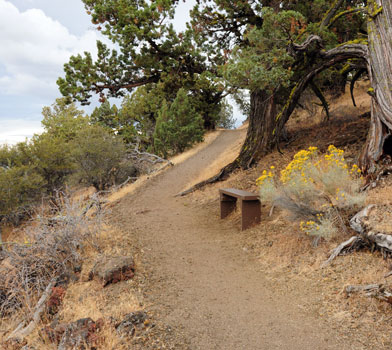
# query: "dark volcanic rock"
(113, 269)
(76, 335)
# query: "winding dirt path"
(202, 281)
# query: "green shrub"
(51, 158)
(178, 126)
(63, 120)
(99, 157)
(20, 188)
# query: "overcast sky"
(36, 38)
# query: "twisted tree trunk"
(380, 73)
(260, 135)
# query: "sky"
(36, 38)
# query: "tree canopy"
(275, 49)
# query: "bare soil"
(202, 278)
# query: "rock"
(113, 269)
(55, 300)
(131, 322)
(76, 335)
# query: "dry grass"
(85, 298)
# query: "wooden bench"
(249, 202)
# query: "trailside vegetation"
(178, 126)
(71, 150)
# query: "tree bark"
(380, 73)
(260, 135)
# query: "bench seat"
(249, 203)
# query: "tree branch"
(331, 13)
(329, 58)
(344, 13)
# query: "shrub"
(49, 250)
(178, 126)
(51, 158)
(314, 188)
(20, 188)
(99, 157)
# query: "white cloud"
(33, 50)
(17, 130)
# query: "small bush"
(20, 188)
(50, 250)
(99, 157)
(314, 188)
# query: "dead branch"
(222, 175)
(387, 170)
(356, 222)
(52, 249)
(377, 291)
(347, 245)
(20, 333)
(378, 240)
(366, 288)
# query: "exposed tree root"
(348, 245)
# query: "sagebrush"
(315, 188)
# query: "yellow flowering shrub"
(313, 187)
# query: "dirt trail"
(202, 281)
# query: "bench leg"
(227, 205)
(250, 213)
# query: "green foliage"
(63, 119)
(265, 63)
(106, 115)
(20, 187)
(99, 157)
(50, 157)
(226, 119)
(148, 48)
(139, 113)
(70, 146)
(178, 126)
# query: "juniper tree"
(149, 52)
(250, 40)
(178, 126)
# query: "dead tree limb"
(141, 157)
(378, 240)
(377, 291)
(222, 175)
(23, 331)
(342, 247)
